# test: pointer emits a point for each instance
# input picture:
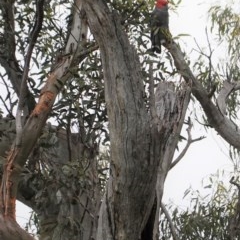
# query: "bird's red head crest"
(161, 3)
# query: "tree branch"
(227, 88)
(8, 109)
(224, 126)
(134, 140)
(22, 107)
(172, 227)
(7, 51)
(177, 102)
(189, 142)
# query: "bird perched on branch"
(159, 25)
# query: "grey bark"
(58, 213)
(138, 142)
(134, 155)
(227, 88)
(223, 125)
(175, 103)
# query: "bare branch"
(172, 227)
(22, 107)
(189, 142)
(224, 126)
(210, 85)
(6, 107)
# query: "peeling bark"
(175, 104)
(226, 90)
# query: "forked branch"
(190, 140)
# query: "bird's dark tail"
(156, 48)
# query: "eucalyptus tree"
(93, 118)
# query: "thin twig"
(209, 83)
(189, 142)
(172, 227)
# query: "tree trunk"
(138, 142)
(224, 126)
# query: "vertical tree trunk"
(138, 141)
(134, 143)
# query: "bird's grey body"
(159, 25)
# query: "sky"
(205, 157)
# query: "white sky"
(205, 157)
